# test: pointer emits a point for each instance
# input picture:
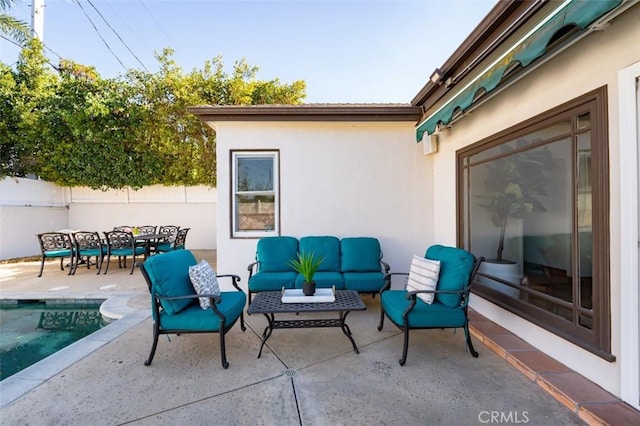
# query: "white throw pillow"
(204, 281)
(423, 275)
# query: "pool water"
(31, 331)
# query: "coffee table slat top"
(267, 302)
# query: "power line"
(161, 29)
(22, 47)
(155, 20)
(117, 35)
(11, 41)
(142, 40)
(100, 35)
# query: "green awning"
(572, 13)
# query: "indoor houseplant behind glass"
(513, 183)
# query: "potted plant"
(513, 183)
(307, 264)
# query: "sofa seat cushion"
(272, 281)
(274, 253)
(360, 254)
(324, 280)
(326, 247)
(423, 315)
(455, 268)
(169, 275)
(363, 281)
(194, 318)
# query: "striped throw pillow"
(423, 275)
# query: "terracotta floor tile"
(614, 414)
(557, 394)
(539, 362)
(593, 404)
(578, 388)
(522, 367)
(495, 347)
(489, 328)
(509, 342)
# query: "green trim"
(578, 13)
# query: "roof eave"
(324, 112)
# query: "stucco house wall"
(593, 62)
(336, 178)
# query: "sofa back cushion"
(455, 268)
(324, 246)
(360, 254)
(169, 276)
(274, 253)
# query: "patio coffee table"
(270, 303)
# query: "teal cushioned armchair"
(175, 305)
(458, 268)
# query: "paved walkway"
(304, 377)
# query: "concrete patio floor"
(304, 377)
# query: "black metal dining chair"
(88, 244)
(147, 229)
(55, 245)
(178, 243)
(165, 244)
(122, 244)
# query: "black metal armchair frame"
(158, 329)
(413, 299)
(55, 245)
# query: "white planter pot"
(506, 271)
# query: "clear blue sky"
(347, 51)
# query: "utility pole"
(37, 19)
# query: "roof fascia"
(209, 113)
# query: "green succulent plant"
(306, 264)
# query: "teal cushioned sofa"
(352, 263)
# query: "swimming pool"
(31, 330)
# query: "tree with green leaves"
(74, 128)
(23, 93)
(14, 29)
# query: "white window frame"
(274, 155)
